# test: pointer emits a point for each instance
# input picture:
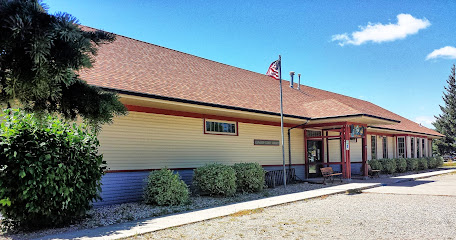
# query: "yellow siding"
(356, 153)
(149, 141)
(391, 148)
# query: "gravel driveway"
(357, 216)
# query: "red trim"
(176, 169)
(134, 108)
(322, 137)
(380, 134)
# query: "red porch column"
(343, 151)
(347, 158)
(364, 147)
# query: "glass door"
(315, 157)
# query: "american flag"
(273, 70)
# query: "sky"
(396, 54)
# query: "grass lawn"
(449, 164)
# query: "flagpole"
(281, 124)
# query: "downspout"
(289, 143)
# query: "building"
(186, 111)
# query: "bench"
(372, 172)
(328, 173)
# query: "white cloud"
(425, 121)
(406, 25)
(445, 52)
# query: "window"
(412, 145)
(401, 147)
(374, 147)
(311, 133)
(385, 147)
(266, 142)
(424, 149)
(417, 148)
(216, 127)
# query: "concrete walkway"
(158, 223)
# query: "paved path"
(154, 224)
(427, 186)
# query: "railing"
(275, 178)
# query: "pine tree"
(40, 55)
(446, 121)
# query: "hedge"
(249, 177)
(164, 187)
(215, 180)
(50, 171)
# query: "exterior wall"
(334, 148)
(144, 141)
(391, 147)
(356, 151)
(408, 147)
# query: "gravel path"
(357, 216)
(126, 212)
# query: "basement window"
(220, 128)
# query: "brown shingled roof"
(132, 65)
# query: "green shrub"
(164, 187)
(439, 161)
(431, 162)
(375, 164)
(249, 177)
(50, 170)
(401, 165)
(388, 165)
(422, 164)
(412, 164)
(215, 179)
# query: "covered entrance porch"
(340, 145)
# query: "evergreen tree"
(40, 55)
(446, 121)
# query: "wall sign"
(347, 145)
(266, 142)
(357, 131)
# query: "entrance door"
(315, 157)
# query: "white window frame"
(404, 147)
(206, 131)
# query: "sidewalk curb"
(149, 225)
(437, 173)
(118, 231)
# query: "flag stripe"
(273, 70)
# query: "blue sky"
(401, 65)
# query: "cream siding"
(408, 147)
(151, 141)
(356, 153)
(391, 143)
(334, 148)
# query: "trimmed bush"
(388, 165)
(50, 171)
(375, 164)
(439, 161)
(422, 164)
(164, 187)
(401, 165)
(432, 162)
(215, 180)
(249, 177)
(412, 164)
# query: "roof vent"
(299, 81)
(291, 82)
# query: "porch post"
(347, 159)
(343, 152)
(364, 147)
(306, 159)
